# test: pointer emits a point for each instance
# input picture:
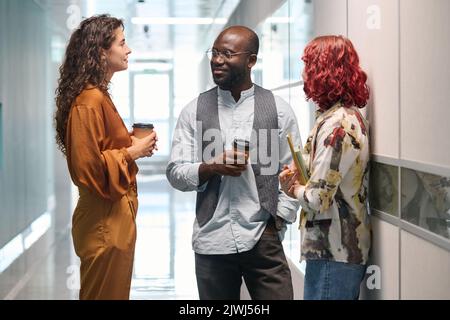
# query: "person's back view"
(240, 209)
(336, 230)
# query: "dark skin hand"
(224, 165)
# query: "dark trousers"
(264, 268)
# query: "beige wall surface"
(330, 17)
(424, 78)
(373, 29)
(385, 259)
(424, 269)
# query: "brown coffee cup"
(242, 145)
(141, 130)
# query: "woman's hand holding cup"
(143, 141)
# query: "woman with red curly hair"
(336, 231)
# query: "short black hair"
(252, 37)
(253, 42)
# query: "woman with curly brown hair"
(101, 157)
(335, 226)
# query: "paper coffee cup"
(141, 130)
(242, 145)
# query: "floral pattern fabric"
(335, 221)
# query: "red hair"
(332, 73)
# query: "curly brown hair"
(83, 64)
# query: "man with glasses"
(240, 211)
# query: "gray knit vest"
(265, 117)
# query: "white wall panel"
(425, 86)
(330, 17)
(424, 269)
(373, 29)
(24, 175)
(385, 255)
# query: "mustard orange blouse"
(96, 142)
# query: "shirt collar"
(228, 98)
(321, 114)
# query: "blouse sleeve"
(335, 154)
(108, 173)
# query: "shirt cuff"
(288, 214)
(301, 197)
(193, 177)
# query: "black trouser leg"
(218, 277)
(265, 269)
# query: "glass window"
(121, 95)
(164, 137)
(283, 36)
(1, 136)
(383, 192)
(148, 108)
(153, 108)
(425, 201)
(300, 33)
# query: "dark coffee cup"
(242, 145)
(141, 130)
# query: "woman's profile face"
(117, 55)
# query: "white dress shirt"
(239, 220)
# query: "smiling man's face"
(229, 73)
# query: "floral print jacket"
(335, 218)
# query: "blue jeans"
(330, 280)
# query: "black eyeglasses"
(227, 54)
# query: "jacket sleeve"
(182, 169)
(107, 173)
(334, 156)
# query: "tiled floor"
(164, 260)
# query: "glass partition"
(383, 192)
(425, 200)
(283, 36)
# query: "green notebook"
(299, 162)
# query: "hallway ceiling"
(148, 39)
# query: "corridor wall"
(26, 172)
(404, 47)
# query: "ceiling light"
(280, 20)
(177, 20)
